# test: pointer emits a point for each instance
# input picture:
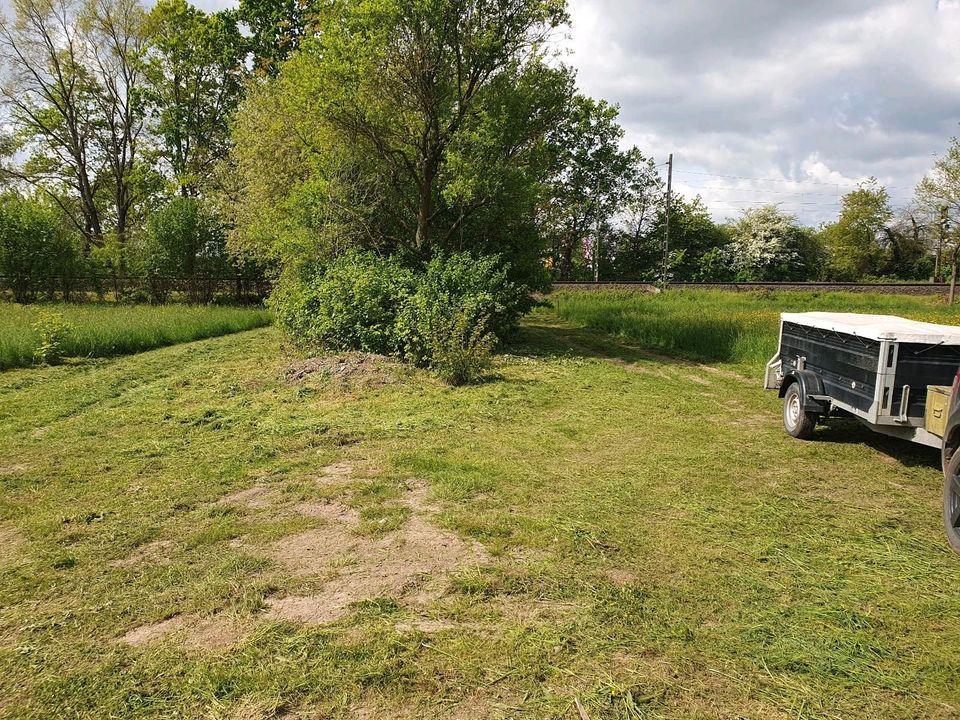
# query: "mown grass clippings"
(638, 547)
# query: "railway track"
(892, 288)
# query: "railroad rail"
(891, 288)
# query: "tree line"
(271, 139)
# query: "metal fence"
(128, 288)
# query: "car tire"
(951, 501)
(796, 421)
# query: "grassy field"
(104, 330)
(726, 327)
(188, 533)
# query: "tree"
(595, 180)
(73, 89)
(410, 127)
(276, 28)
(939, 192)
(769, 244)
(854, 240)
(195, 68)
(35, 248)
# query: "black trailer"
(892, 374)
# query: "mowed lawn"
(595, 532)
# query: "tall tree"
(854, 240)
(412, 126)
(73, 88)
(276, 29)
(769, 244)
(594, 181)
(939, 192)
(195, 68)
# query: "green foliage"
(52, 333)
(412, 128)
(182, 240)
(35, 248)
(461, 301)
(447, 317)
(352, 303)
(195, 68)
(853, 240)
(461, 347)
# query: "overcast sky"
(799, 99)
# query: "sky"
(787, 101)
(791, 102)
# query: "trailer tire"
(796, 421)
(951, 501)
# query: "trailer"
(894, 375)
(898, 377)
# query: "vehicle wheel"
(796, 421)
(951, 501)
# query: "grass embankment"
(716, 326)
(104, 330)
(186, 534)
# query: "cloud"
(797, 94)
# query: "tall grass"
(728, 327)
(101, 330)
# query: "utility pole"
(666, 230)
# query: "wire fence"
(128, 288)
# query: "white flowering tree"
(769, 244)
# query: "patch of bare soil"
(153, 552)
(413, 563)
(153, 631)
(13, 547)
(6, 470)
(205, 634)
(257, 496)
(621, 577)
(365, 368)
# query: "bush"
(461, 348)
(52, 332)
(35, 249)
(182, 240)
(462, 291)
(351, 304)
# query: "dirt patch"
(697, 379)
(621, 577)
(157, 551)
(206, 634)
(256, 497)
(413, 563)
(13, 547)
(152, 631)
(336, 473)
(7, 470)
(365, 368)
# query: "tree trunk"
(953, 274)
(424, 208)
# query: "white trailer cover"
(878, 327)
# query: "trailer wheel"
(796, 421)
(951, 501)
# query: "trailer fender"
(811, 388)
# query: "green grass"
(657, 547)
(104, 330)
(726, 327)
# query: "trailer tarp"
(878, 327)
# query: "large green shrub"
(462, 290)
(182, 241)
(36, 251)
(352, 303)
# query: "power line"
(849, 183)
